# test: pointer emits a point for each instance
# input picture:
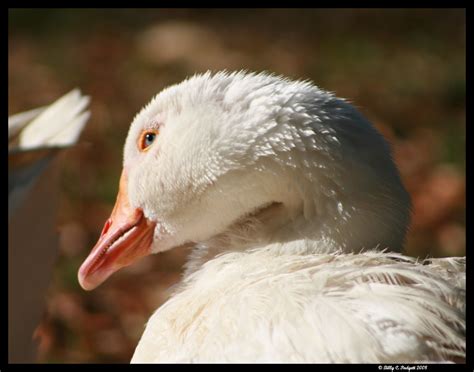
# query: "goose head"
(241, 160)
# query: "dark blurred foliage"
(404, 69)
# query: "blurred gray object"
(36, 138)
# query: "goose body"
(35, 139)
(269, 306)
(297, 213)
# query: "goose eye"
(146, 139)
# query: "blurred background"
(404, 69)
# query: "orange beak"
(127, 236)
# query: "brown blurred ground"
(404, 69)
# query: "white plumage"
(58, 125)
(35, 136)
(347, 308)
(291, 198)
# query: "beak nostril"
(107, 225)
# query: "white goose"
(287, 192)
(35, 140)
